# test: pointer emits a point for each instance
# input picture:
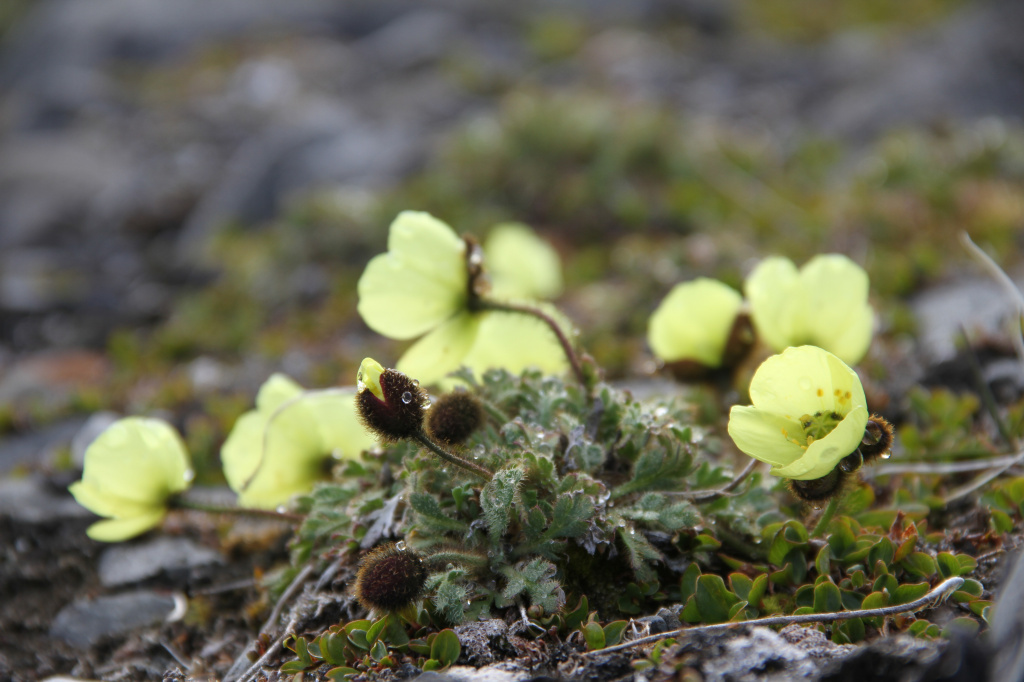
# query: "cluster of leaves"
(606, 489)
(362, 646)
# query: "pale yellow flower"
(279, 449)
(420, 287)
(824, 304)
(130, 471)
(694, 322)
(808, 413)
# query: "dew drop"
(632, 531)
(885, 455)
(450, 567)
(400, 545)
(189, 475)
(415, 382)
(281, 509)
(805, 384)
(407, 397)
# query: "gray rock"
(977, 305)
(484, 642)
(35, 448)
(125, 564)
(87, 622)
(412, 39)
(760, 655)
(461, 673)
(30, 500)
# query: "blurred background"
(189, 190)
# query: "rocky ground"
(136, 134)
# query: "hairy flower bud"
(878, 437)
(454, 417)
(390, 578)
(389, 403)
(818, 490)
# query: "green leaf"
(657, 469)
(574, 617)
(497, 498)
(852, 629)
(450, 600)
(967, 563)
(431, 515)
(919, 565)
(971, 587)
(822, 563)
(446, 648)
(1001, 521)
(757, 590)
(374, 632)
(962, 625)
(640, 553)
(792, 535)
(904, 594)
(740, 585)
(613, 632)
(379, 651)
(688, 583)
(332, 646)
(341, 673)
(594, 636)
(431, 664)
(827, 598)
(713, 599)
(882, 551)
(948, 566)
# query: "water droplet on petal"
(407, 397)
(805, 384)
(189, 475)
(400, 545)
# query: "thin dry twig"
(294, 587)
(254, 669)
(938, 594)
(1002, 278)
(708, 495)
(941, 468)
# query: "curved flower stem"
(940, 593)
(451, 458)
(826, 517)
(181, 503)
(570, 354)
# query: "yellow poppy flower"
(130, 471)
(421, 287)
(824, 304)
(694, 322)
(808, 413)
(278, 450)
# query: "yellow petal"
(694, 321)
(515, 342)
(521, 264)
(441, 351)
(773, 291)
(118, 530)
(341, 432)
(764, 436)
(824, 454)
(105, 503)
(805, 380)
(369, 376)
(419, 283)
(837, 315)
(138, 459)
(276, 391)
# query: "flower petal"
(441, 351)
(765, 436)
(118, 530)
(419, 283)
(773, 291)
(823, 455)
(521, 264)
(836, 313)
(694, 322)
(104, 503)
(515, 341)
(341, 432)
(805, 380)
(276, 391)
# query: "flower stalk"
(423, 439)
(192, 505)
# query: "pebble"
(87, 622)
(31, 500)
(126, 564)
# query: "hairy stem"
(826, 517)
(563, 340)
(451, 458)
(181, 503)
(938, 594)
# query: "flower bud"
(389, 403)
(818, 490)
(390, 578)
(878, 437)
(454, 417)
